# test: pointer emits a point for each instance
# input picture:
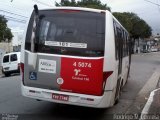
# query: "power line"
(15, 19)
(10, 16)
(13, 13)
(10, 6)
(37, 1)
(152, 2)
(158, 6)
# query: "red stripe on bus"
(84, 76)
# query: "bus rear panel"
(68, 56)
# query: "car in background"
(11, 63)
(144, 51)
(153, 49)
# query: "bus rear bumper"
(72, 98)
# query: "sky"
(20, 10)
(145, 10)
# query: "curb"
(150, 85)
(150, 101)
(142, 96)
(147, 106)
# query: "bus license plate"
(60, 97)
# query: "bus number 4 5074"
(82, 64)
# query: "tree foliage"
(5, 32)
(136, 26)
(84, 3)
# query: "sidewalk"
(144, 94)
(155, 105)
(152, 106)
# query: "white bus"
(73, 55)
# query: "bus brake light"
(106, 75)
(22, 72)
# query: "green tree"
(84, 3)
(5, 32)
(136, 26)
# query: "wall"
(7, 47)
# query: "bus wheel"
(118, 91)
(129, 67)
(128, 73)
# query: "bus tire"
(129, 67)
(118, 91)
(128, 73)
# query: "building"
(17, 39)
(15, 44)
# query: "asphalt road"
(12, 103)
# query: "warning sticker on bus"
(66, 44)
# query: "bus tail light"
(19, 65)
(105, 77)
(22, 72)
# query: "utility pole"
(154, 4)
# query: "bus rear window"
(71, 33)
